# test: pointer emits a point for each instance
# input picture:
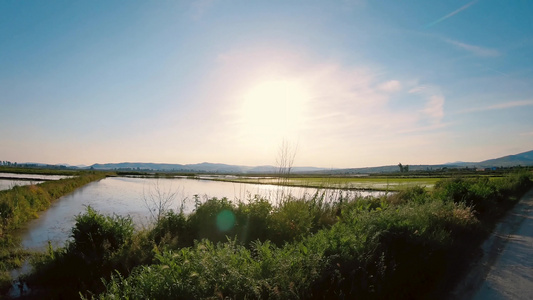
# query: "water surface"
(126, 196)
(6, 184)
(9, 180)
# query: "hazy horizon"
(351, 83)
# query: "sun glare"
(273, 109)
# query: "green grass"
(354, 183)
(22, 204)
(409, 245)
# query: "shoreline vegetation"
(413, 244)
(21, 204)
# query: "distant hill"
(201, 167)
(523, 159)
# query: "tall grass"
(410, 245)
(23, 203)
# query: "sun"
(273, 109)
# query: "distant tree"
(403, 168)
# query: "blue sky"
(347, 83)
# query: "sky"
(342, 83)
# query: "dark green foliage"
(411, 245)
(373, 252)
(96, 238)
(416, 194)
(21, 204)
(253, 220)
(172, 230)
(223, 270)
(97, 241)
(203, 222)
(290, 220)
(486, 196)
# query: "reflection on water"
(124, 196)
(9, 180)
(33, 176)
(6, 184)
(19, 287)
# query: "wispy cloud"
(503, 105)
(348, 106)
(434, 107)
(451, 14)
(390, 86)
(476, 50)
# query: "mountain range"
(201, 167)
(523, 159)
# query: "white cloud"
(434, 107)
(464, 7)
(350, 107)
(498, 106)
(476, 50)
(390, 86)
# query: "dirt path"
(506, 269)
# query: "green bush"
(253, 220)
(292, 219)
(213, 220)
(97, 241)
(95, 237)
(219, 271)
(172, 230)
(391, 252)
(416, 194)
(487, 197)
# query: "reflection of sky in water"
(124, 196)
(34, 176)
(6, 184)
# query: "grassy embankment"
(410, 245)
(23, 203)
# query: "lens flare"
(225, 220)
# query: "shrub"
(97, 237)
(416, 194)
(96, 241)
(172, 230)
(213, 220)
(290, 220)
(253, 220)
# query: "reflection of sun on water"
(273, 109)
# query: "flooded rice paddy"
(126, 196)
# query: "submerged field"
(356, 183)
(408, 245)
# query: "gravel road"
(505, 271)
